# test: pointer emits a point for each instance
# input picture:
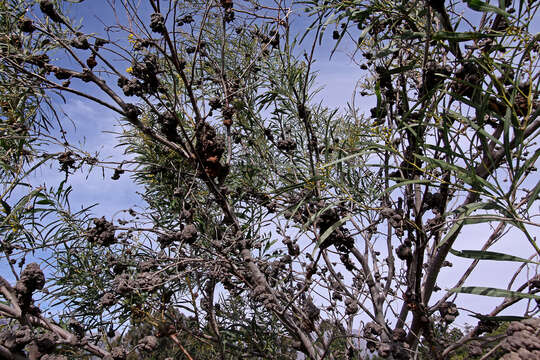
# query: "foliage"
(273, 224)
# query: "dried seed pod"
(215, 103)
(351, 306)
(227, 4)
(404, 252)
(108, 299)
(286, 144)
(61, 74)
(66, 161)
(189, 234)
(91, 62)
(27, 26)
(117, 172)
(32, 279)
(384, 350)
(118, 353)
(80, 42)
(100, 42)
(47, 8)
(46, 342)
(103, 232)
(157, 23)
(148, 343)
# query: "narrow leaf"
(534, 195)
(408, 182)
(489, 255)
(460, 36)
(478, 5)
(503, 318)
(487, 291)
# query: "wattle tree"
(271, 225)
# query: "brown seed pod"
(27, 26)
(404, 252)
(47, 8)
(157, 23)
(91, 62)
(227, 4)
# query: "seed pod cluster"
(107, 299)
(433, 201)
(448, 311)
(16, 340)
(351, 306)
(145, 71)
(80, 42)
(47, 8)
(486, 326)
(169, 122)
(292, 247)
(434, 76)
(187, 19)
(210, 148)
(404, 251)
(467, 77)
(117, 172)
(340, 237)
(102, 233)
(148, 343)
(46, 343)
(117, 353)
(66, 161)
(522, 340)
(31, 279)
(372, 331)
(312, 313)
(157, 23)
(395, 219)
(228, 112)
(27, 26)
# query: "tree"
(274, 224)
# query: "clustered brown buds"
(523, 340)
(448, 311)
(66, 161)
(32, 279)
(103, 232)
(157, 23)
(47, 7)
(210, 147)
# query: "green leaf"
(489, 255)
(461, 36)
(410, 35)
(45, 202)
(534, 195)
(408, 182)
(465, 212)
(478, 5)
(369, 149)
(503, 318)
(7, 208)
(385, 52)
(488, 291)
(312, 218)
(364, 33)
